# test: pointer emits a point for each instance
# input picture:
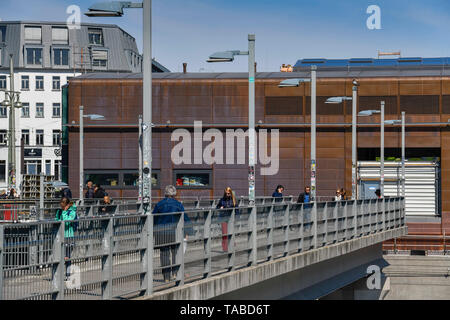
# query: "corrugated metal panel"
(420, 183)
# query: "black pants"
(163, 238)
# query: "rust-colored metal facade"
(223, 103)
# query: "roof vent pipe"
(184, 67)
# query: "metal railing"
(111, 257)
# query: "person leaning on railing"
(165, 229)
(67, 213)
(227, 201)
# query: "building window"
(33, 166)
(26, 137)
(60, 35)
(103, 178)
(193, 178)
(56, 110)
(56, 83)
(61, 57)
(56, 137)
(3, 137)
(2, 34)
(3, 170)
(3, 112)
(99, 58)
(33, 35)
(25, 110)
(2, 82)
(96, 37)
(39, 110)
(25, 82)
(57, 169)
(125, 179)
(39, 137)
(39, 82)
(34, 56)
(48, 167)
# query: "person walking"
(227, 201)
(67, 213)
(99, 192)
(306, 199)
(278, 193)
(165, 229)
(90, 190)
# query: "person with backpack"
(165, 230)
(227, 201)
(68, 213)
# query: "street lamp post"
(296, 83)
(313, 132)
(91, 117)
(382, 151)
(354, 99)
(12, 100)
(403, 122)
(115, 9)
(228, 56)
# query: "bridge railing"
(107, 257)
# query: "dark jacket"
(106, 208)
(168, 205)
(89, 193)
(302, 198)
(100, 193)
(226, 203)
(277, 194)
(66, 193)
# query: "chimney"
(184, 67)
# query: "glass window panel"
(103, 179)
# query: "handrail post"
(355, 216)
(179, 238)
(231, 248)
(58, 272)
(287, 226)
(207, 244)
(1, 261)
(315, 219)
(148, 258)
(270, 226)
(254, 234)
(107, 265)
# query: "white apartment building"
(45, 56)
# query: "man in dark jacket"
(106, 206)
(165, 229)
(306, 198)
(90, 190)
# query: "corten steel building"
(420, 87)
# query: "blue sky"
(286, 30)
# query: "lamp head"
(367, 113)
(223, 56)
(292, 82)
(107, 9)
